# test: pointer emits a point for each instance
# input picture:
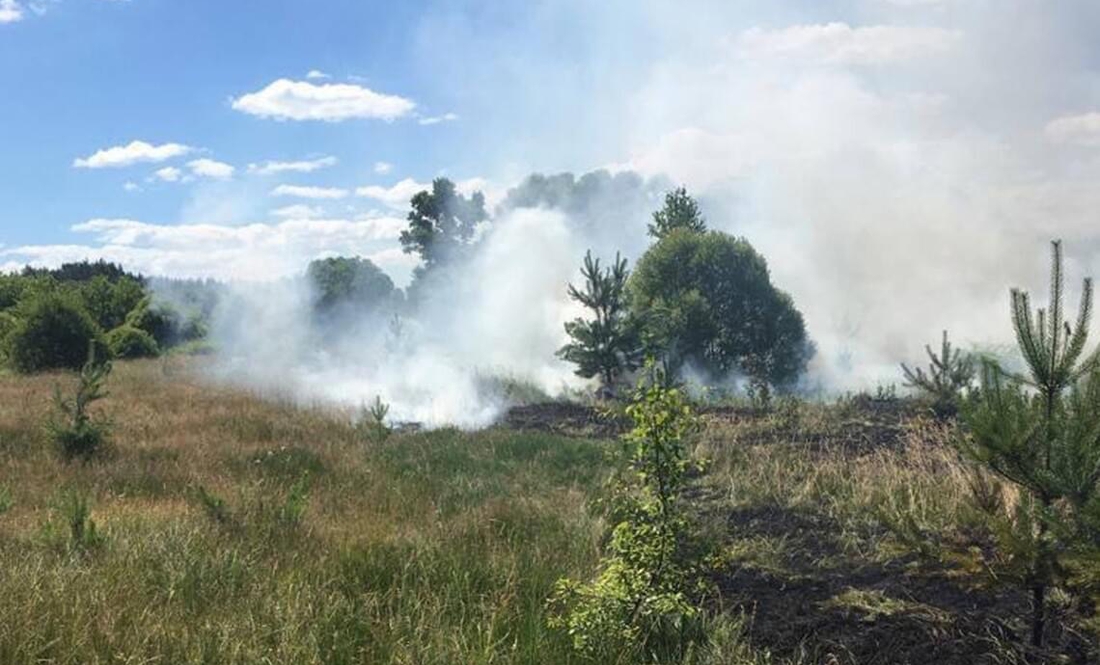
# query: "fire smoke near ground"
(492, 320)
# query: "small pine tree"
(75, 432)
(949, 374)
(679, 212)
(1041, 433)
(608, 345)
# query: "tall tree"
(679, 212)
(1041, 432)
(607, 345)
(707, 299)
(441, 222)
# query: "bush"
(52, 332)
(129, 342)
(643, 599)
(160, 320)
(73, 429)
(707, 299)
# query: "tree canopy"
(679, 212)
(441, 222)
(342, 282)
(707, 299)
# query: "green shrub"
(77, 511)
(74, 431)
(129, 342)
(52, 332)
(643, 599)
(158, 319)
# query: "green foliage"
(441, 223)
(608, 345)
(214, 507)
(372, 421)
(679, 212)
(341, 283)
(77, 512)
(6, 502)
(1041, 433)
(949, 374)
(641, 604)
(73, 430)
(109, 302)
(294, 506)
(52, 331)
(128, 342)
(159, 319)
(707, 299)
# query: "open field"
(231, 529)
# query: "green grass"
(438, 547)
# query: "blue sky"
(188, 137)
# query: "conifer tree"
(949, 374)
(679, 212)
(608, 344)
(1041, 432)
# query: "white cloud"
(304, 166)
(317, 74)
(382, 168)
(436, 119)
(131, 186)
(298, 211)
(168, 174)
(332, 102)
(308, 192)
(396, 196)
(10, 11)
(127, 155)
(209, 168)
(841, 44)
(256, 251)
(1082, 129)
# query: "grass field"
(233, 529)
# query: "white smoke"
(499, 314)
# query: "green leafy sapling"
(950, 373)
(642, 598)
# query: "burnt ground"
(824, 605)
(815, 600)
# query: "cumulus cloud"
(285, 99)
(395, 196)
(382, 168)
(317, 74)
(168, 174)
(209, 168)
(398, 195)
(133, 153)
(1082, 129)
(309, 192)
(247, 252)
(298, 211)
(131, 186)
(841, 44)
(10, 11)
(301, 166)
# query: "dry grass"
(431, 548)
